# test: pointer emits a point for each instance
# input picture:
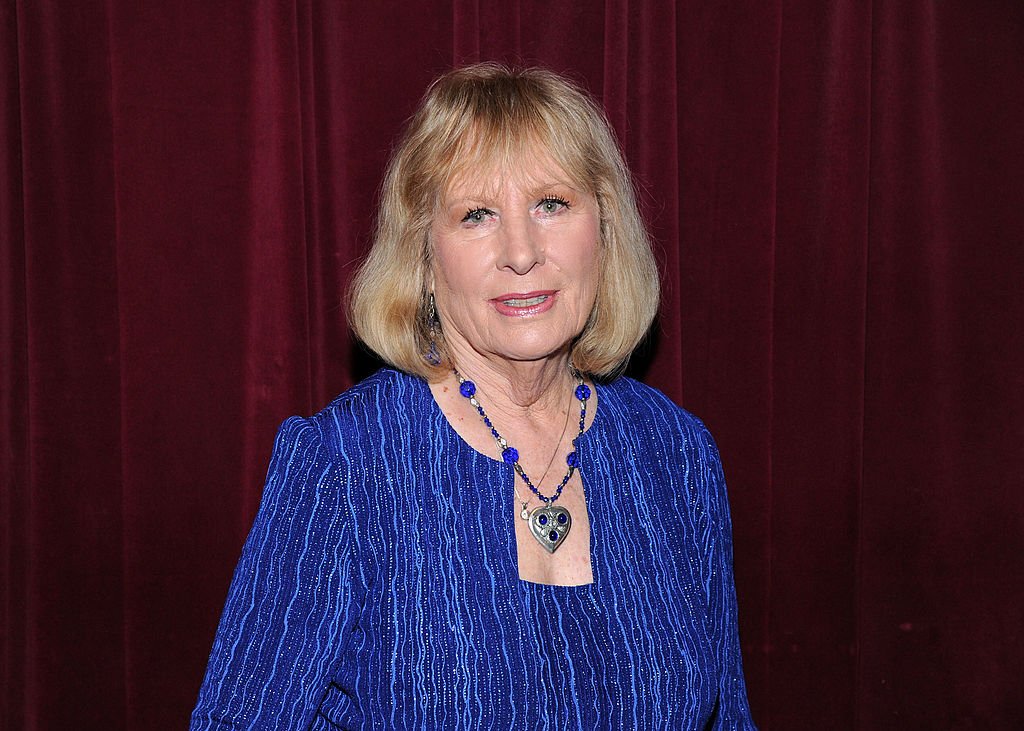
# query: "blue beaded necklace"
(549, 523)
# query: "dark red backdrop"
(836, 192)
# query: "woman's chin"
(538, 354)
(518, 342)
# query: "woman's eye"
(552, 204)
(476, 215)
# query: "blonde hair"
(488, 114)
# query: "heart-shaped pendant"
(550, 525)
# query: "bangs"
(485, 164)
(487, 134)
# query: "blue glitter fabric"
(379, 589)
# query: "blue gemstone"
(542, 519)
(572, 460)
(467, 388)
(510, 455)
(583, 392)
(561, 518)
(553, 536)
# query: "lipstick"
(525, 304)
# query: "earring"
(432, 356)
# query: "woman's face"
(515, 262)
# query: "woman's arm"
(732, 709)
(285, 615)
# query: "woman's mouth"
(523, 304)
(527, 302)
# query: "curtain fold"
(818, 345)
(834, 191)
(14, 370)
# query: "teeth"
(526, 302)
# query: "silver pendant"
(550, 524)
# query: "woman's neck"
(518, 388)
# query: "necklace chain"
(554, 453)
(510, 455)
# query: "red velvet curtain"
(837, 196)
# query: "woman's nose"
(521, 245)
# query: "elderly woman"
(500, 533)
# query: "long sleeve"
(732, 708)
(379, 587)
(286, 611)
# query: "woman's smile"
(525, 305)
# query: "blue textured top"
(379, 586)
